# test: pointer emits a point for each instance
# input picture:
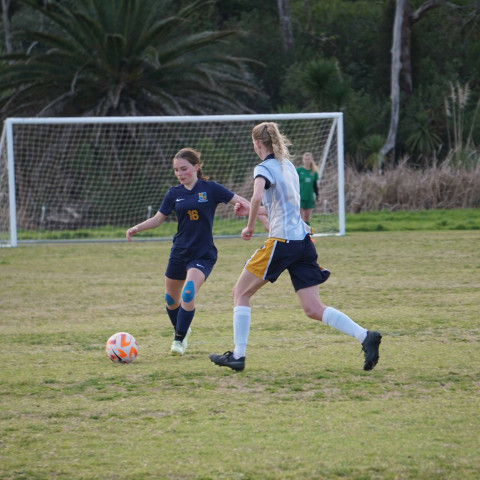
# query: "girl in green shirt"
(308, 176)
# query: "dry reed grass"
(406, 188)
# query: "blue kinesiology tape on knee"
(169, 299)
(188, 292)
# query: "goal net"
(91, 178)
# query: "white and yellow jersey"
(281, 198)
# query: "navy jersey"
(195, 210)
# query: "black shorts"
(299, 257)
(177, 268)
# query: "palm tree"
(324, 85)
(122, 57)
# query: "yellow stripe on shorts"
(260, 260)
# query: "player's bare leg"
(306, 214)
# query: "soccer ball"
(122, 347)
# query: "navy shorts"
(177, 269)
(299, 257)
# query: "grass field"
(303, 407)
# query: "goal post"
(90, 178)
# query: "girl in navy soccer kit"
(289, 247)
(193, 252)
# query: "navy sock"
(184, 321)
(173, 314)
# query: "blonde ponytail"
(269, 134)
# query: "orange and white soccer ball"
(122, 348)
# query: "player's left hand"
(242, 209)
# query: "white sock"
(241, 329)
(343, 323)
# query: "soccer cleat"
(227, 360)
(178, 348)
(370, 347)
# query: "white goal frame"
(8, 198)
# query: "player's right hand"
(130, 232)
(247, 233)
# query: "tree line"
(405, 73)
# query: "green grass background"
(303, 407)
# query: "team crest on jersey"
(202, 197)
